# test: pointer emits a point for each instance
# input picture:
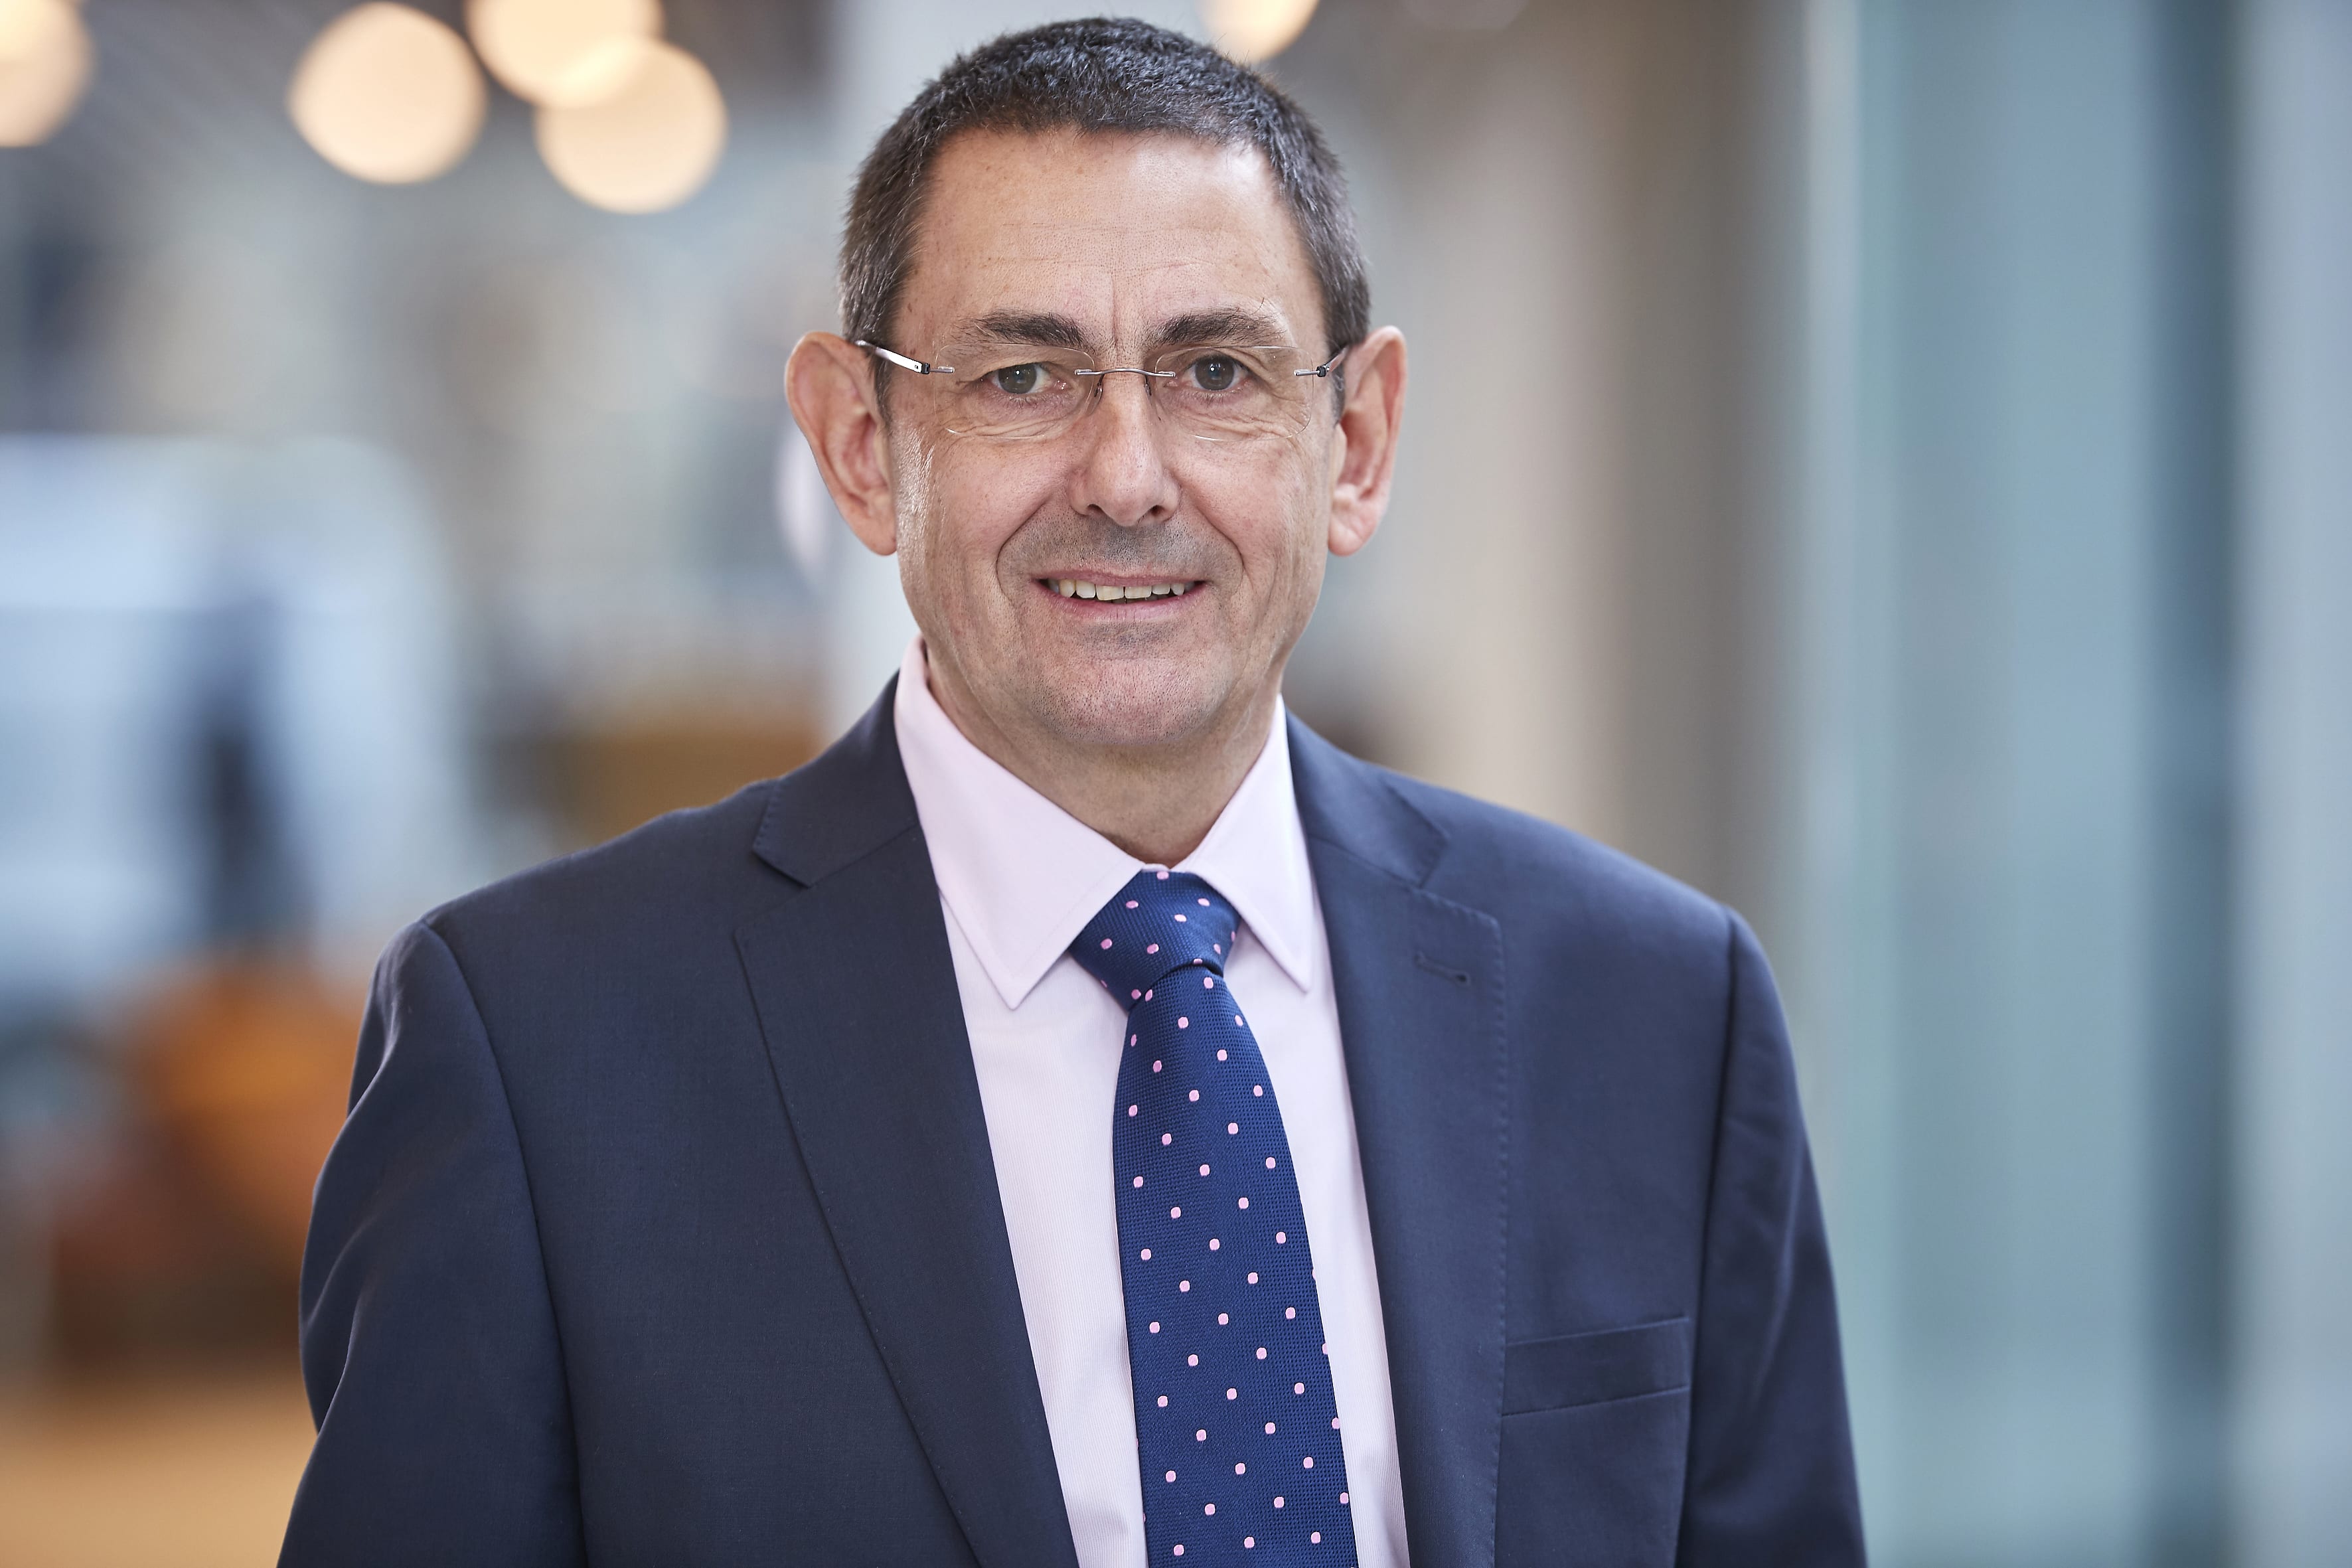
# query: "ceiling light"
(1254, 30)
(564, 53)
(45, 63)
(388, 94)
(650, 147)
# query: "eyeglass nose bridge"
(1152, 404)
(1152, 409)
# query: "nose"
(1121, 473)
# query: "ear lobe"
(1363, 458)
(829, 382)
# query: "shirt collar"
(1022, 877)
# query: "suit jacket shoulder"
(685, 864)
(686, 881)
(1540, 882)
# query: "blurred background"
(1887, 462)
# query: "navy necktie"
(1235, 1417)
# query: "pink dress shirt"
(1019, 877)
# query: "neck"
(1156, 803)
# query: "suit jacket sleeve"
(1771, 1462)
(429, 1342)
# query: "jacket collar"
(1022, 877)
(1351, 805)
(855, 797)
(844, 806)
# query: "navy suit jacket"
(664, 1228)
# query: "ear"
(830, 384)
(1363, 457)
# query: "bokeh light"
(45, 65)
(650, 146)
(565, 53)
(25, 25)
(1254, 30)
(388, 94)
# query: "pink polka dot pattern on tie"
(1232, 1357)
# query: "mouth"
(1109, 592)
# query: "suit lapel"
(856, 997)
(1420, 985)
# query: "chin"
(1125, 705)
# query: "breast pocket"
(1595, 1430)
(1587, 1369)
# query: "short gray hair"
(1097, 74)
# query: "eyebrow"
(1042, 329)
(1230, 326)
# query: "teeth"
(1078, 588)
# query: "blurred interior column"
(1505, 659)
(1547, 192)
(2292, 1337)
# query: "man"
(1082, 1118)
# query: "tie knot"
(1159, 922)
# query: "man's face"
(1114, 242)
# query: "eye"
(1215, 372)
(1018, 379)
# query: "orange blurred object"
(246, 1067)
(193, 1471)
(607, 778)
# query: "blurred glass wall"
(1881, 460)
(2010, 781)
(2055, 893)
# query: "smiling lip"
(1119, 590)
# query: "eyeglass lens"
(1211, 392)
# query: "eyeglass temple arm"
(1325, 368)
(903, 363)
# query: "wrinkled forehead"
(1117, 234)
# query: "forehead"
(1115, 231)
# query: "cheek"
(960, 514)
(1270, 512)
